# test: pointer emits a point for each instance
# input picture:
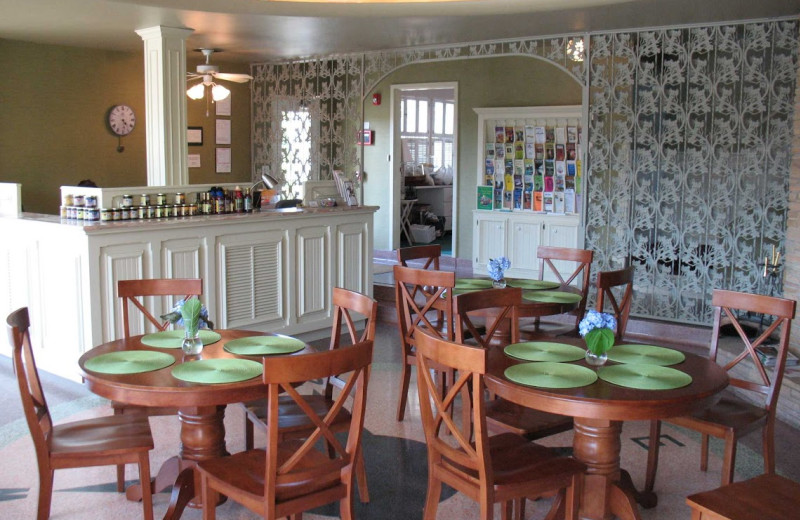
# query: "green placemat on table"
(471, 284)
(215, 371)
(129, 362)
(644, 377)
(551, 375)
(264, 345)
(174, 338)
(646, 354)
(538, 285)
(551, 296)
(545, 351)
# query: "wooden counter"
(271, 271)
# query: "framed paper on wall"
(223, 160)
(194, 136)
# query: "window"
(427, 127)
(299, 135)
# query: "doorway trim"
(395, 161)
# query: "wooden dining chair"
(503, 415)
(419, 296)
(503, 468)
(296, 475)
(620, 281)
(293, 423)
(133, 292)
(765, 497)
(753, 405)
(102, 441)
(427, 256)
(581, 259)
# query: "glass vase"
(499, 284)
(192, 344)
(596, 360)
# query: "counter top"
(90, 226)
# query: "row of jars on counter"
(214, 202)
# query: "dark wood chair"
(427, 256)
(420, 293)
(504, 468)
(620, 281)
(132, 293)
(298, 474)
(733, 416)
(765, 497)
(582, 260)
(293, 422)
(103, 441)
(503, 415)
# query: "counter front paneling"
(271, 270)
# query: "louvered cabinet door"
(254, 280)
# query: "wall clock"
(121, 121)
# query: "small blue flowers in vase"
(497, 268)
(597, 329)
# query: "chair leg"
(768, 447)
(432, 497)
(249, 441)
(405, 381)
(120, 467)
(361, 477)
(147, 488)
(704, 452)
(729, 461)
(45, 493)
(652, 455)
(209, 496)
(573, 498)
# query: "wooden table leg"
(597, 444)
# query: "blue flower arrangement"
(597, 328)
(176, 315)
(497, 268)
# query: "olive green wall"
(514, 81)
(53, 132)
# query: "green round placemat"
(644, 377)
(264, 345)
(551, 296)
(174, 338)
(537, 285)
(129, 362)
(550, 375)
(215, 371)
(646, 354)
(473, 283)
(544, 351)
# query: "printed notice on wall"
(223, 131)
(194, 160)
(223, 160)
(223, 107)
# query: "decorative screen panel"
(690, 147)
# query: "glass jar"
(144, 199)
(106, 215)
(192, 344)
(127, 201)
(596, 360)
(161, 199)
(180, 198)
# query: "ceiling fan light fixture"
(197, 91)
(218, 92)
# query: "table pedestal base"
(202, 438)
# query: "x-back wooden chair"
(607, 282)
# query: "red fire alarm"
(376, 99)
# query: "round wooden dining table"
(201, 408)
(598, 410)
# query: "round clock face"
(121, 119)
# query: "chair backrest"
(134, 291)
(607, 282)
(37, 414)
(419, 292)
(301, 475)
(505, 301)
(463, 446)
(345, 304)
(726, 304)
(583, 260)
(430, 254)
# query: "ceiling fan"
(207, 73)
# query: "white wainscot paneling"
(313, 265)
(351, 245)
(124, 262)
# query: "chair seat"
(112, 435)
(245, 471)
(516, 459)
(766, 497)
(729, 413)
(505, 416)
(292, 418)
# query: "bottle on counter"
(238, 200)
(247, 202)
(228, 202)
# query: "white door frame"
(395, 161)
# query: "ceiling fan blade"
(237, 78)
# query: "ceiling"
(265, 30)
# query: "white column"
(165, 101)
